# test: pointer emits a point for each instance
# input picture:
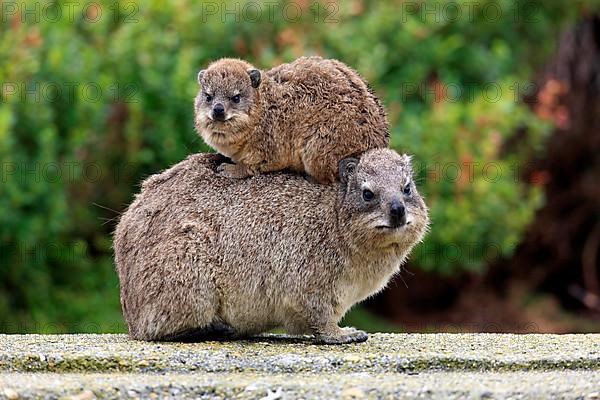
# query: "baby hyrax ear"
(346, 167)
(254, 77)
(200, 75)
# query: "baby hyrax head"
(228, 92)
(381, 195)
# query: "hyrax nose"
(397, 213)
(219, 111)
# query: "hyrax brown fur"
(201, 255)
(304, 116)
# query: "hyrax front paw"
(235, 171)
(343, 336)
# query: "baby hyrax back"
(304, 116)
(200, 255)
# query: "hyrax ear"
(254, 77)
(200, 75)
(346, 169)
(407, 161)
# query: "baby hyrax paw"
(343, 336)
(235, 171)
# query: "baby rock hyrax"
(200, 255)
(304, 116)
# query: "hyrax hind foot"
(236, 171)
(342, 336)
(214, 331)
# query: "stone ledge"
(382, 353)
(455, 366)
(427, 385)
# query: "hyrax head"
(227, 93)
(380, 193)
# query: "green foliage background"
(99, 98)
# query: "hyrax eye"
(407, 190)
(368, 195)
(236, 98)
(208, 98)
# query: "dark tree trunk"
(560, 250)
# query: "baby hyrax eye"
(368, 195)
(236, 98)
(208, 97)
(407, 190)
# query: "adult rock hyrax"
(304, 116)
(200, 255)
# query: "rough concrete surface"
(278, 367)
